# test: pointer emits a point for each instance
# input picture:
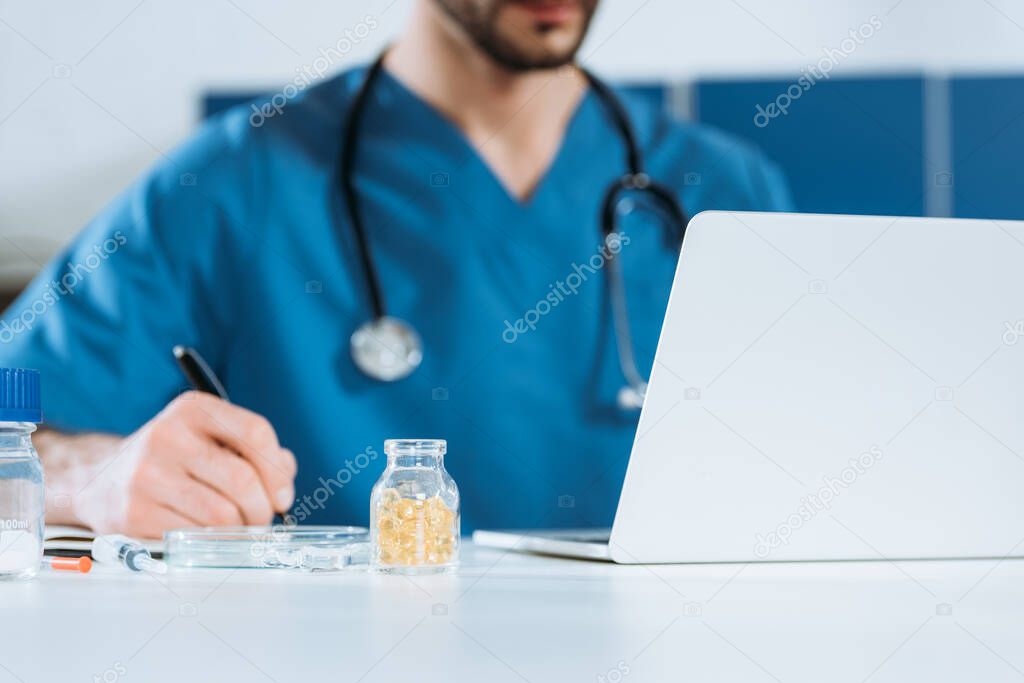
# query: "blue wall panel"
(847, 146)
(217, 102)
(855, 145)
(988, 147)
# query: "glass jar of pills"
(21, 476)
(414, 510)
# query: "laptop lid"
(833, 387)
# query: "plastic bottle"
(22, 506)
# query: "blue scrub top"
(236, 245)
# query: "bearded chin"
(479, 21)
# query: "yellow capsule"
(388, 500)
(436, 517)
(406, 509)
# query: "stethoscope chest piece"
(386, 349)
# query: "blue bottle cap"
(19, 396)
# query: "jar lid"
(19, 396)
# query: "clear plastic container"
(414, 511)
(315, 548)
(22, 506)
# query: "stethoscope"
(389, 349)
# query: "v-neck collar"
(466, 155)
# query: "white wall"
(92, 92)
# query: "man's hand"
(200, 462)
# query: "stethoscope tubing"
(635, 180)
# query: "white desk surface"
(512, 617)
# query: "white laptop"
(827, 388)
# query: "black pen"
(198, 372)
(202, 378)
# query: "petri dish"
(312, 548)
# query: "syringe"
(116, 549)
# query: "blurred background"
(902, 107)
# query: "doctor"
(468, 197)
